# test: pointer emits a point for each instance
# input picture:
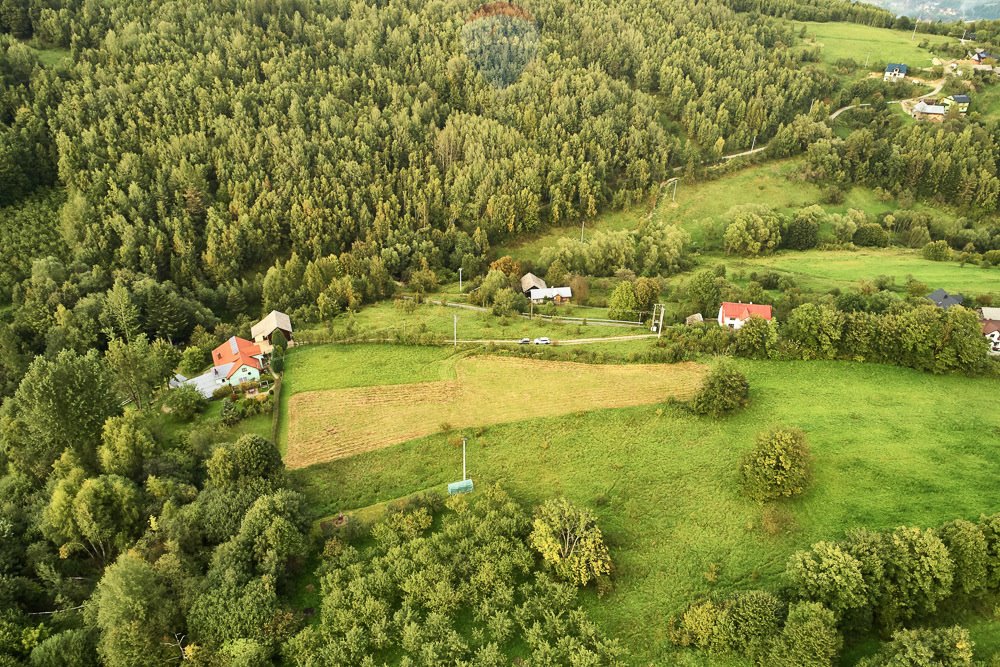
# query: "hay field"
(332, 424)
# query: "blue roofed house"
(895, 72)
(960, 101)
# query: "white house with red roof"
(735, 315)
(236, 361)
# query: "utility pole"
(915, 24)
(753, 144)
(456, 330)
(582, 223)
(459, 279)
(673, 197)
(659, 327)
(463, 460)
(867, 56)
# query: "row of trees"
(881, 581)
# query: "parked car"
(542, 341)
(524, 341)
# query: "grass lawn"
(892, 446)
(822, 270)
(325, 425)
(50, 57)
(880, 45)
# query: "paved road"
(571, 341)
(938, 85)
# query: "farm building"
(895, 72)
(944, 300)
(263, 330)
(980, 56)
(556, 294)
(932, 112)
(735, 315)
(960, 101)
(530, 281)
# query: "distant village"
(936, 109)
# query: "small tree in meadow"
(569, 539)
(778, 466)
(725, 389)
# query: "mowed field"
(892, 447)
(485, 390)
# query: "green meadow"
(891, 446)
(879, 45)
(827, 269)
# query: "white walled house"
(735, 315)
(895, 72)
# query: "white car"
(524, 341)
(542, 341)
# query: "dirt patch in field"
(327, 425)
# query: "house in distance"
(990, 319)
(945, 300)
(263, 330)
(895, 72)
(961, 102)
(555, 294)
(735, 315)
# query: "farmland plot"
(332, 424)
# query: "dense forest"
(171, 169)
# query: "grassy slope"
(880, 45)
(383, 319)
(892, 446)
(820, 270)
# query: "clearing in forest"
(331, 424)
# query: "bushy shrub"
(938, 647)
(871, 235)
(750, 621)
(809, 639)
(937, 251)
(725, 389)
(569, 539)
(185, 402)
(779, 466)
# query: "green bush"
(725, 389)
(871, 235)
(750, 621)
(937, 251)
(778, 466)
(809, 638)
(185, 402)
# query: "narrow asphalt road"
(571, 341)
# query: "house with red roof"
(236, 361)
(735, 315)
